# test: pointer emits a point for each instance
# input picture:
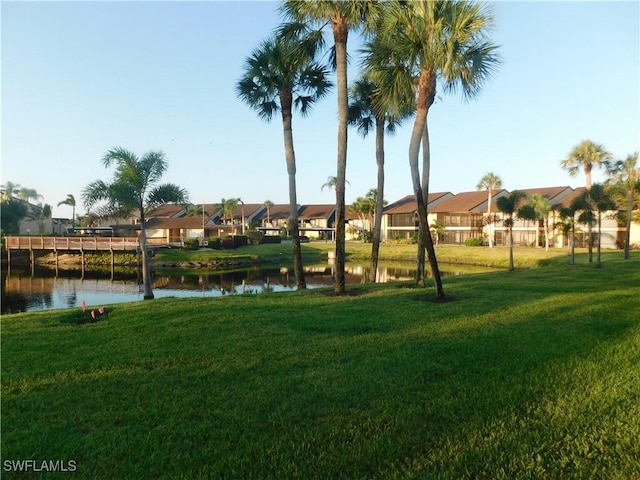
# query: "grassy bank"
(497, 257)
(529, 374)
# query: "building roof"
(279, 211)
(408, 204)
(565, 200)
(190, 222)
(322, 211)
(166, 211)
(475, 201)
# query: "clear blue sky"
(81, 77)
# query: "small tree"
(134, 188)
(624, 175)
(509, 205)
(490, 182)
(70, 201)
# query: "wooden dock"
(76, 244)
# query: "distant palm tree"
(593, 202)
(26, 194)
(568, 228)
(586, 155)
(342, 16)
(418, 45)
(9, 190)
(625, 174)
(331, 183)
(490, 182)
(437, 229)
(268, 204)
(541, 207)
(228, 207)
(280, 75)
(135, 188)
(70, 201)
(509, 205)
(366, 112)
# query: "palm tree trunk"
(340, 32)
(286, 103)
(589, 226)
(377, 221)
(627, 239)
(511, 266)
(573, 241)
(426, 172)
(546, 234)
(489, 217)
(147, 293)
(598, 257)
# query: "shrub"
(191, 244)
(473, 242)
(234, 241)
(254, 237)
(271, 239)
(215, 243)
(228, 243)
(241, 240)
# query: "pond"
(24, 289)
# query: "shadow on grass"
(507, 384)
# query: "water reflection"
(42, 288)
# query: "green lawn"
(497, 257)
(532, 374)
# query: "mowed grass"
(532, 374)
(497, 257)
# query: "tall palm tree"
(135, 188)
(70, 201)
(586, 155)
(421, 44)
(343, 16)
(278, 76)
(268, 204)
(509, 205)
(365, 112)
(490, 182)
(626, 175)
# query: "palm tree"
(135, 188)
(268, 204)
(490, 182)
(331, 182)
(70, 201)
(228, 207)
(599, 198)
(343, 16)
(568, 226)
(541, 207)
(437, 228)
(418, 45)
(586, 155)
(509, 205)
(365, 112)
(280, 75)
(625, 174)
(9, 190)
